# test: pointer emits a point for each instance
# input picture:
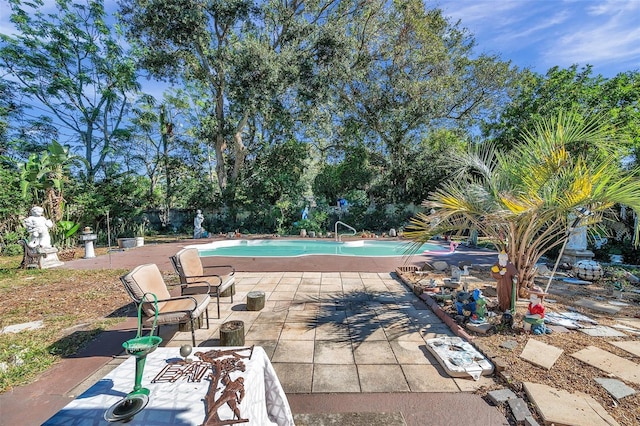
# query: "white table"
(181, 402)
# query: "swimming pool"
(294, 248)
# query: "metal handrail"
(338, 236)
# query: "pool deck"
(159, 254)
(412, 383)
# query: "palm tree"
(525, 200)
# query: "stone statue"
(38, 228)
(504, 272)
(198, 230)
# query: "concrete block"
(519, 409)
(500, 396)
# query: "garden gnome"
(504, 272)
(198, 230)
(38, 228)
(534, 319)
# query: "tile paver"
(382, 378)
(333, 378)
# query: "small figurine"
(534, 319)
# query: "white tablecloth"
(180, 402)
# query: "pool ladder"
(339, 236)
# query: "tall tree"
(260, 65)
(523, 198)
(543, 96)
(416, 72)
(71, 64)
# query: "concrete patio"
(340, 342)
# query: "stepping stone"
(631, 322)
(626, 329)
(598, 306)
(16, 328)
(558, 329)
(500, 396)
(602, 331)
(509, 344)
(610, 363)
(540, 354)
(561, 407)
(519, 409)
(631, 346)
(616, 388)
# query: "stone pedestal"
(88, 239)
(49, 258)
(573, 256)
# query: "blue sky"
(537, 34)
(540, 34)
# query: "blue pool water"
(293, 248)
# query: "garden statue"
(38, 228)
(504, 272)
(38, 252)
(534, 319)
(198, 230)
(305, 213)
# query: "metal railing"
(339, 236)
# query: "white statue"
(38, 228)
(198, 230)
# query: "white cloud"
(542, 34)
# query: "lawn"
(73, 306)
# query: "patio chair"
(171, 309)
(192, 273)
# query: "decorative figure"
(38, 228)
(534, 319)
(198, 230)
(305, 213)
(504, 272)
(232, 390)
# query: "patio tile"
(367, 333)
(469, 385)
(264, 331)
(330, 274)
(344, 275)
(330, 288)
(370, 275)
(374, 352)
(335, 378)
(309, 289)
(292, 288)
(271, 316)
(428, 378)
(312, 275)
(297, 331)
(327, 352)
(332, 332)
(269, 346)
(408, 352)
(294, 351)
(294, 378)
(292, 274)
(403, 335)
(307, 282)
(308, 316)
(382, 378)
(281, 295)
